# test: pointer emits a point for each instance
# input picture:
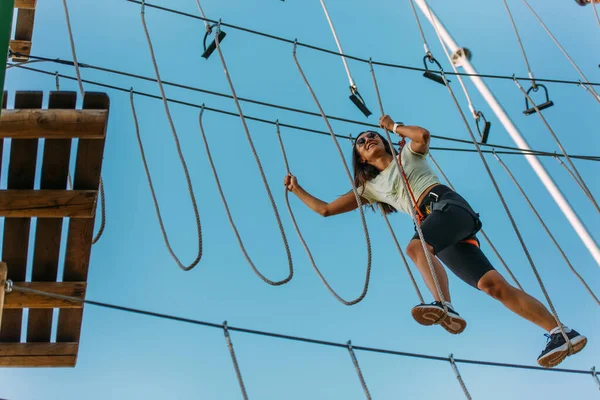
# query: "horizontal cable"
(16, 287)
(516, 150)
(363, 60)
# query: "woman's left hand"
(386, 122)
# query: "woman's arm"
(419, 136)
(342, 204)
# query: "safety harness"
(436, 204)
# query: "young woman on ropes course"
(449, 226)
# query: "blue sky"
(123, 356)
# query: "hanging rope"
(512, 21)
(262, 174)
(595, 376)
(595, 12)
(414, 207)
(348, 174)
(305, 245)
(82, 92)
(204, 19)
(501, 197)
(339, 46)
(425, 44)
(232, 223)
(485, 236)
(579, 179)
(581, 186)
(593, 91)
(235, 362)
(460, 380)
(358, 371)
(562, 253)
(155, 201)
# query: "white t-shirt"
(387, 186)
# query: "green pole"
(7, 8)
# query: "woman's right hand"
(290, 182)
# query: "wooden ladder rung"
(38, 354)
(53, 124)
(16, 203)
(18, 300)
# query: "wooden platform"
(28, 126)
(24, 29)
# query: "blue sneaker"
(557, 348)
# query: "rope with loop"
(234, 359)
(501, 197)
(305, 245)
(358, 370)
(179, 152)
(573, 176)
(579, 178)
(512, 21)
(339, 46)
(260, 169)
(82, 92)
(460, 380)
(593, 91)
(348, 174)
(232, 223)
(415, 209)
(485, 236)
(562, 253)
(155, 201)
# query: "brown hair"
(364, 172)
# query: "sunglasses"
(361, 141)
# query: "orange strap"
(470, 241)
(420, 216)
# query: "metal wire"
(190, 321)
(579, 183)
(533, 208)
(359, 59)
(206, 24)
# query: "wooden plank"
(20, 46)
(38, 361)
(79, 241)
(53, 124)
(26, 4)
(55, 167)
(21, 174)
(2, 290)
(19, 300)
(48, 203)
(38, 349)
(24, 30)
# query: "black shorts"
(451, 231)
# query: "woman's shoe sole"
(433, 315)
(557, 356)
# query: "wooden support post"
(2, 284)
